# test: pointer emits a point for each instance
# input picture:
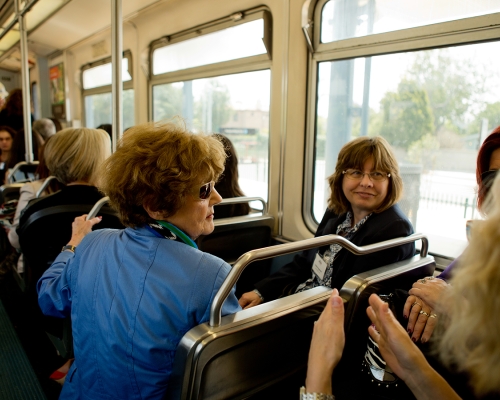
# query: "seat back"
(23, 172)
(235, 236)
(10, 192)
(245, 354)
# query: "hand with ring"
(421, 320)
(429, 290)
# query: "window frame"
(472, 30)
(246, 64)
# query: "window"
(435, 106)
(96, 83)
(218, 79)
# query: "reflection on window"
(102, 75)
(240, 41)
(98, 109)
(435, 107)
(344, 19)
(234, 105)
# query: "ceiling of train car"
(75, 21)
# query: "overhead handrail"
(97, 207)
(17, 167)
(44, 185)
(244, 199)
(287, 248)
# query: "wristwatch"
(69, 247)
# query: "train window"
(349, 19)
(222, 88)
(96, 83)
(435, 106)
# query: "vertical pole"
(25, 77)
(116, 62)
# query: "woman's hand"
(399, 352)
(429, 290)
(81, 227)
(421, 319)
(327, 345)
(249, 299)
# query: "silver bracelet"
(258, 294)
(314, 396)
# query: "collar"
(168, 231)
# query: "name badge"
(319, 266)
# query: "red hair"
(490, 144)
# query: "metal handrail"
(16, 168)
(97, 207)
(44, 185)
(243, 199)
(287, 248)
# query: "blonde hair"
(354, 155)
(76, 154)
(157, 165)
(469, 337)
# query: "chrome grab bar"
(243, 199)
(16, 168)
(287, 248)
(44, 185)
(97, 207)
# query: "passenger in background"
(57, 124)
(74, 157)
(45, 127)
(18, 152)
(228, 185)
(469, 322)
(7, 136)
(12, 113)
(132, 294)
(425, 293)
(365, 188)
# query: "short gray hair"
(45, 127)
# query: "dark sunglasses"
(206, 190)
(487, 177)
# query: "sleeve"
(230, 306)
(54, 287)
(446, 274)
(26, 194)
(296, 272)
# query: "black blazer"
(389, 224)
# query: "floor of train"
(35, 342)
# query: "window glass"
(435, 107)
(344, 19)
(240, 41)
(98, 109)
(102, 75)
(235, 105)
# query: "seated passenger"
(426, 292)
(469, 322)
(365, 188)
(228, 185)
(45, 127)
(132, 294)
(7, 136)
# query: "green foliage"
(215, 100)
(407, 115)
(423, 151)
(167, 101)
(491, 112)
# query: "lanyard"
(169, 231)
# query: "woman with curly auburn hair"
(365, 188)
(133, 293)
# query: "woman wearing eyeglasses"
(132, 294)
(365, 188)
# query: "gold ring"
(416, 303)
(433, 315)
(423, 312)
(429, 278)
(422, 280)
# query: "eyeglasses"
(357, 175)
(206, 190)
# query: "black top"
(73, 194)
(15, 122)
(389, 224)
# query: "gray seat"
(241, 355)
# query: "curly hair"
(469, 338)
(490, 144)
(157, 165)
(77, 154)
(354, 155)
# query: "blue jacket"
(131, 297)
